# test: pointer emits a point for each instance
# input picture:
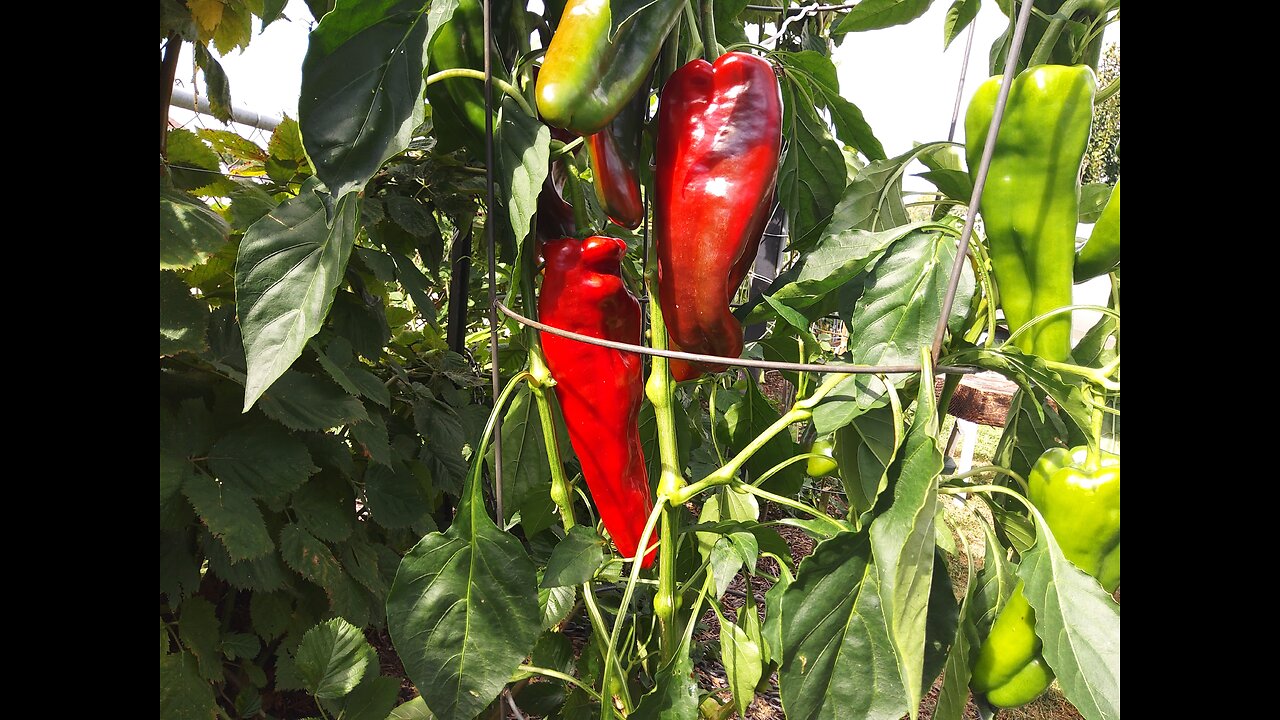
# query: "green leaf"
(675, 696)
(903, 539)
(184, 695)
(193, 166)
(526, 477)
(772, 630)
(263, 458)
(416, 284)
(955, 184)
(742, 663)
(373, 699)
(338, 360)
(1028, 432)
(325, 507)
(198, 628)
(942, 622)
(1093, 199)
(361, 560)
(190, 231)
(261, 574)
(463, 610)
(864, 450)
(1029, 371)
(289, 266)
(959, 15)
(309, 557)
(838, 257)
(231, 515)
(240, 645)
(849, 122)
(396, 496)
(811, 174)
(555, 604)
(179, 566)
(372, 437)
(575, 559)
(271, 12)
(877, 14)
(873, 199)
(729, 29)
(183, 318)
(1079, 624)
(415, 709)
(333, 657)
(729, 554)
(215, 79)
(837, 658)
(269, 613)
(305, 402)
(746, 420)
(897, 315)
(523, 145)
(362, 85)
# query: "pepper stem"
(710, 46)
(671, 480)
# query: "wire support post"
(980, 178)
(491, 242)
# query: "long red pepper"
(719, 137)
(600, 389)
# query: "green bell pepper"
(1101, 254)
(593, 67)
(1079, 498)
(1031, 204)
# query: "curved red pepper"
(600, 389)
(615, 163)
(719, 137)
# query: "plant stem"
(991, 469)
(710, 46)
(606, 712)
(1050, 37)
(788, 502)
(692, 21)
(1105, 93)
(507, 88)
(168, 70)
(561, 676)
(659, 390)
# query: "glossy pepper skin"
(1080, 501)
(589, 73)
(599, 389)
(1101, 254)
(1010, 670)
(719, 136)
(1030, 205)
(817, 468)
(615, 164)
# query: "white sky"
(900, 77)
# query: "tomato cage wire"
(979, 181)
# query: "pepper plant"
(330, 462)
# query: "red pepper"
(719, 137)
(600, 389)
(615, 163)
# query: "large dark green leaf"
(839, 256)
(811, 174)
(184, 695)
(903, 539)
(333, 657)
(523, 145)
(215, 79)
(289, 266)
(463, 610)
(373, 699)
(1079, 624)
(199, 629)
(895, 317)
(742, 662)
(746, 420)
(676, 694)
(362, 85)
(526, 473)
(729, 29)
(837, 659)
(325, 507)
(306, 402)
(396, 496)
(263, 458)
(850, 125)
(183, 318)
(575, 559)
(231, 515)
(878, 14)
(864, 450)
(190, 231)
(338, 359)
